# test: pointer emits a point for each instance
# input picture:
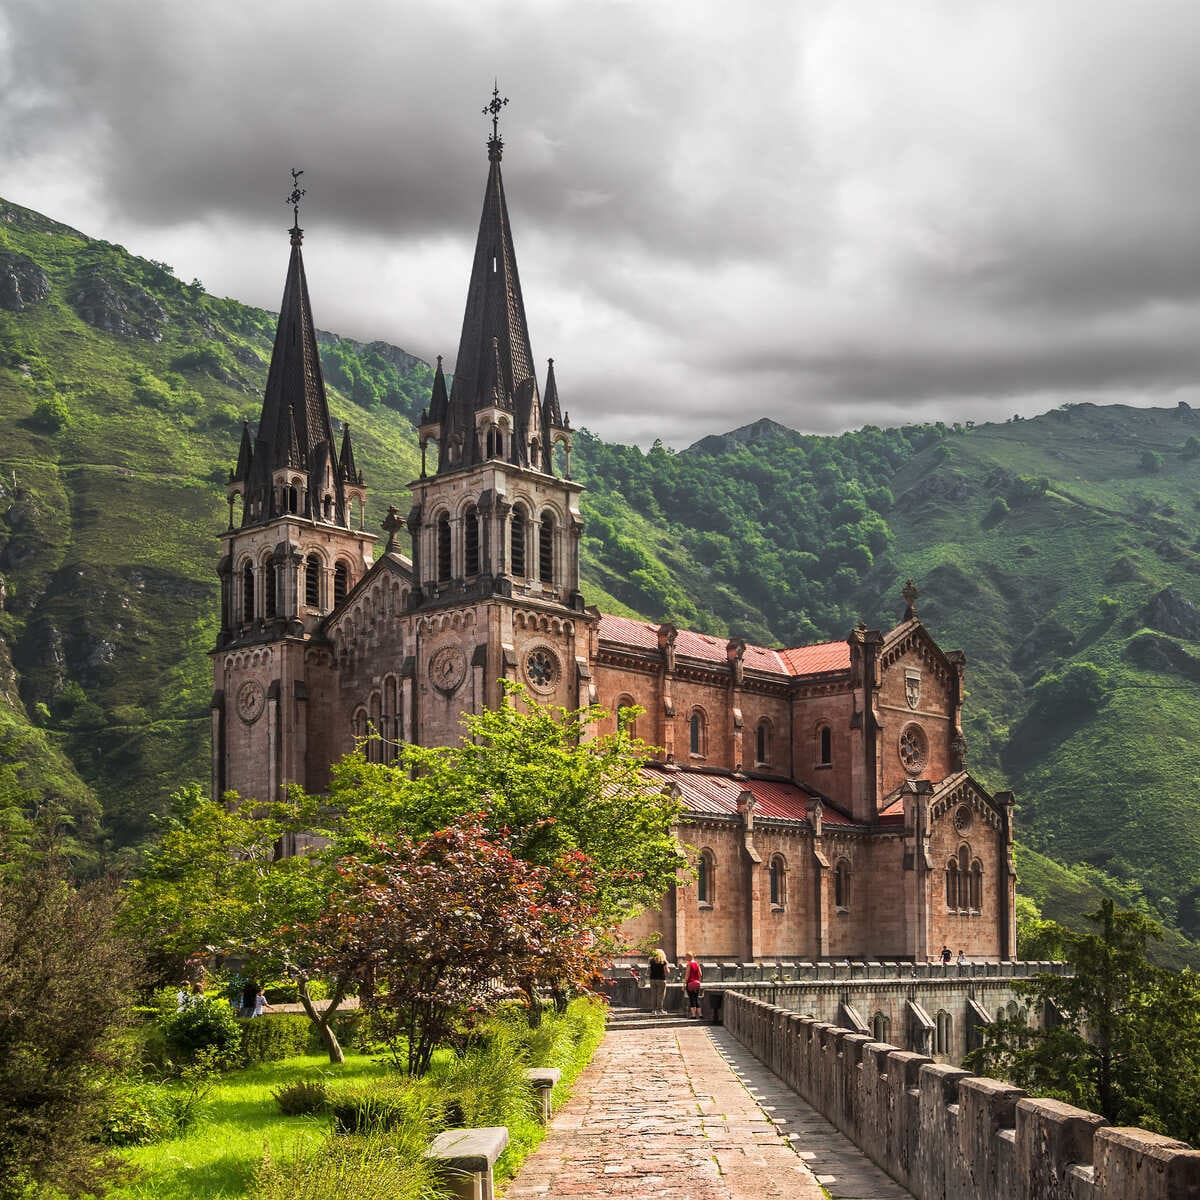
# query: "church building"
(825, 794)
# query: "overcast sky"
(827, 213)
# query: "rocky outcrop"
(1173, 613)
(114, 305)
(22, 281)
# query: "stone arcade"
(824, 787)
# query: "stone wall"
(945, 1134)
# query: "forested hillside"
(1058, 553)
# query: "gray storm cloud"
(829, 214)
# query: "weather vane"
(492, 109)
(294, 197)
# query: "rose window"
(914, 748)
(541, 668)
(962, 819)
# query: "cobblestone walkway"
(664, 1111)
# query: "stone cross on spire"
(909, 592)
(294, 197)
(492, 108)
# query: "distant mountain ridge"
(1059, 552)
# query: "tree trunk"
(321, 1019)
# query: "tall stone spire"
(294, 430)
(494, 368)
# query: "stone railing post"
(467, 1158)
(541, 1082)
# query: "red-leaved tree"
(434, 926)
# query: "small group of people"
(962, 958)
(657, 972)
(254, 1001)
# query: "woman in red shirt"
(691, 983)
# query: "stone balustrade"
(945, 1134)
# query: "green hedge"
(273, 1036)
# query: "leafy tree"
(1151, 462)
(52, 413)
(1123, 1038)
(435, 925)
(66, 979)
(214, 883)
(534, 771)
(1191, 448)
(1079, 688)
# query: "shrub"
(384, 1107)
(272, 1037)
(998, 511)
(1151, 462)
(282, 991)
(203, 1023)
(51, 413)
(153, 1112)
(303, 1097)
(486, 1084)
(348, 1169)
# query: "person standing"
(691, 983)
(658, 982)
(260, 1003)
(945, 955)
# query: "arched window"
(778, 882)
(375, 745)
(628, 722)
(976, 889)
(248, 592)
(359, 727)
(546, 549)
(696, 733)
(841, 885)
(964, 878)
(762, 743)
(518, 542)
(341, 583)
(824, 746)
(881, 1026)
(706, 877)
(312, 581)
(392, 725)
(328, 508)
(269, 588)
(941, 1044)
(293, 499)
(491, 441)
(471, 540)
(952, 884)
(443, 548)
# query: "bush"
(204, 1023)
(153, 1112)
(998, 511)
(282, 991)
(52, 414)
(302, 1098)
(486, 1085)
(384, 1107)
(1151, 462)
(349, 1169)
(272, 1037)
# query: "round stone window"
(542, 669)
(914, 748)
(962, 819)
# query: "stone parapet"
(945, 1134)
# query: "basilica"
(825, 796)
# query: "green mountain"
(1057, 552)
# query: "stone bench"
(467, 1158)
(542, 1081)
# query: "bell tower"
(495, 521)
(293, 548)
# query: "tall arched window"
(952, 884)
(976, 890)
(762, 743)
(546, 549)
(269, 588)
(517, 557)
(312, 581)
(359, 726)
(293, 499)
(824, 746)
(341, 582)
(471, 540)
(443, 548)
(964, 878)
(696, 733)
(706, 877)
(628, 722)
(491, 441)
(392, 724)
(375, 745)
(944, 1024)
(778, 882)
(248, 592)
(841, 885)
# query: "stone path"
(664, 1111)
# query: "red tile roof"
(708, 794)
(803, 660)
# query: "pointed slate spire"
(495, 313)
(438, 400)
(346, 459)
(295, 413)
(551, 413)
(245, 457)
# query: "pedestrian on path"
(260, 1003)
(691, 983)
(658, 983)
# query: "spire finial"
(909, 592)
(294, 197)
(492, 109)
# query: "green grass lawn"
(216, 1160)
